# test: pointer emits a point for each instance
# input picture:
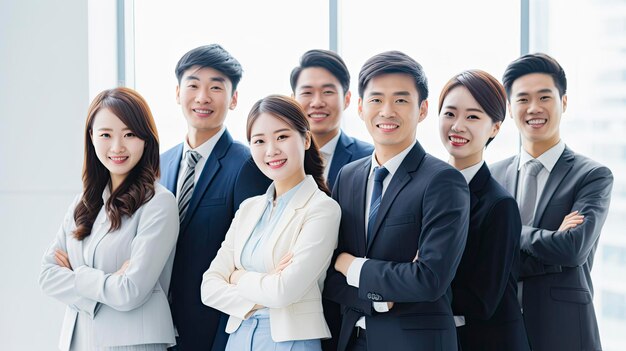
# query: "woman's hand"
(236, 275)
(571, 221)
(123, 269)
(283, 263)
(62, 259)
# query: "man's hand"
(343, 262)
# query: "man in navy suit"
(404, 222)
(210, 175)
(564, 200)
(321, 85)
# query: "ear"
(233, 100)
(360, 108)
(495, 129)
(564, 103)
(307, 140)
(178, 94)
(346, 100)
(423, 111)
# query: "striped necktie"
(186, 190)
(380, 173)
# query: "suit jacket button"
(369, 296)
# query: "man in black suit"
(404, 222)
(564, 199)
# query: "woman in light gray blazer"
(111, 260)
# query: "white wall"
(43, 103)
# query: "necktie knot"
(380, 173)
(533, 167)
(192, 157)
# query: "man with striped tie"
(210, 174)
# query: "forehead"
(205, 74)
(107, 119)
(268, 122)
(459, 96)
(391, 83)
(533, 82)
(314, 76)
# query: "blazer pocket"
(307, 306)
(399, 220)
(426, 321)
(574, 295)
(212, 201)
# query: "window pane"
(266, 37)
(445, 37)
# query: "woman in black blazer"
(472, 107)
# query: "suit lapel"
(173, 166)
(400, 179)
(358, 201)
(341, 157)
(211, 168)
(510, 178)
(477, 185)
(560, 170)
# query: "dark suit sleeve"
(499, 243)
(250, 182)
(336, 287)
(572, 247)
(441, 242)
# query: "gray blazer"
(556, 266)
(126, 309)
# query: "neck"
(283, 186)
(197, 137)
(385, 153)
(322, 139)
(466, 162)
(116, 181)
(536, 149)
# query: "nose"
(118, 145)
(202, 96)
(533, 107)
(317, 101)
(386, 110)
(272, 149)
(458, 125)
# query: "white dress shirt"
(327, 151)
(354, 271)
(205, 150)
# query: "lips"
(118, 159)
(456, 140)
(202, 112)
(537, 122)
(387, 127)
(276, 163)
(318, 116)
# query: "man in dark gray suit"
(564, 199)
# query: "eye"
(448, 114)
(105, 135)
(544, 98)
(282, 137)
(329, 92)
(130, 135)
(257, 141)
(305, 93)
(192, 86)
(375, 101)
(473, 117)
(401, 101)
(216, 88)
(522, 100)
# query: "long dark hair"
(290, 111)
(138, 187)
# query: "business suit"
(348, 149)
(425, 207)
(228, 177)
(308, 229)
(126, 309)
(484, 289)
(556, 266)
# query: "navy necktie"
(380, 173)
(186, 190)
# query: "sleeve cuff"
(354, 272)
(380, 307)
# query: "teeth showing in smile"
(387, 126)
(458, 140)
(537, 121)
(202, 111)
(318, 115)
(276, 163)
(118, 158)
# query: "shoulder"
(172, 152)
(432, 167)
(323, 204)
(498, 196)
(585, 164)
(361, 148)
(162, 199)
(501, 165)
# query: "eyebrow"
(212, 79)
(275, 132)
(396, 93)
(110, 129)
(469, 109)
(541, 91)
(327, 85)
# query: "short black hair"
(534, 63)
(394, 62)
(327, 60)
(211, 56)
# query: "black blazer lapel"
(359, 190)
(342, 156)
(560, 170)
(477, 184)
(400, 179)
(211, 167)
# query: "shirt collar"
(205, 148)
(394, 163)
(548, 159)
(471, 171)
(284, 198)
(329, 148)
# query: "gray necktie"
(529, 191)
(186, 190)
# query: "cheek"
(258, 155)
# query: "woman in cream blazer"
(111, 260)
(269, 273)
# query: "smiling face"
(536, 108)
(391, 111)
(464, 128)
(278, 151)
(116, 146)
(321, 96)
(205, 96)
